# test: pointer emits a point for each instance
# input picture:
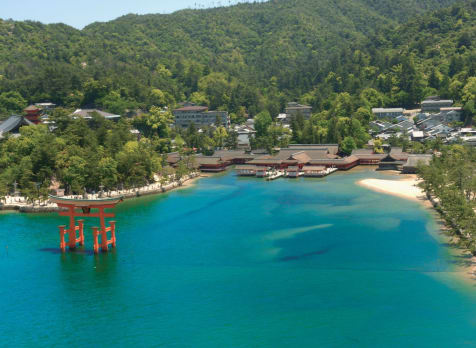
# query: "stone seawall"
(29, 208)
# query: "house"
(387, 112)
(332, 149)
(246, 170)
(245, 133)
(368, 156)
(401, 118)
(262, 171)
(467, 132)
(393, 160)
(417, 135)
(234, 156)
(266, 161)
(200, 116)
(293, 171)
(446, 117)
(390, 163)
(314, 171)
(433, 104)
(413, 161)
(451, 115)
(421, 116)
(299, 155)
(211, 164)
(467, 135)
(88, 114)
(440, 130)
(428, 123)
(45, 106)
(173, 158)
(404, 126)
(380, 126)
(281, 118)
(456, 109)
(344, 163)
(13, 124)
(293, 109)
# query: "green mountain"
(253, 55)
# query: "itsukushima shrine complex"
(83, 208)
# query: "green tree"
(219, 136)
(11, 102)
(262, 122)
(347, 145)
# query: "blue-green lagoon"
(240, 262)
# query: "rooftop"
(332, 148)
(87, 113)
(442, 101)
(192, 108)
(414, 160)
(13, 122)
(31, 108)
(375, 110)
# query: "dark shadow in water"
(305, 255)
(206, 207)
(74, 251)
(462, 260)
(105, 262)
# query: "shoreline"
(404, 188)
(140, 192)
(464, 261)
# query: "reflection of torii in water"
(86, 205)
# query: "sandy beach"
(405, 188)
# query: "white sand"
(406, 188)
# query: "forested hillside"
(434, 54)
(256, 56)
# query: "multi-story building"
(200, 116)
(431, 105)
(387, 112)
(32, 114)
(294, 109)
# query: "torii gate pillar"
(86, 206)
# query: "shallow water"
(240, 262)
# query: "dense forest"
(256, 56)
(451, 179)
(341, 57)
(85, 155)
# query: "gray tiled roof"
(12, 122)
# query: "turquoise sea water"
(240, 262)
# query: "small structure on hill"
(293, 109)
(32, 113)
(88, 114)
(199, 116)
(434, 104)
(387, 112)
(12, 125)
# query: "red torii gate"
(86, 205)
